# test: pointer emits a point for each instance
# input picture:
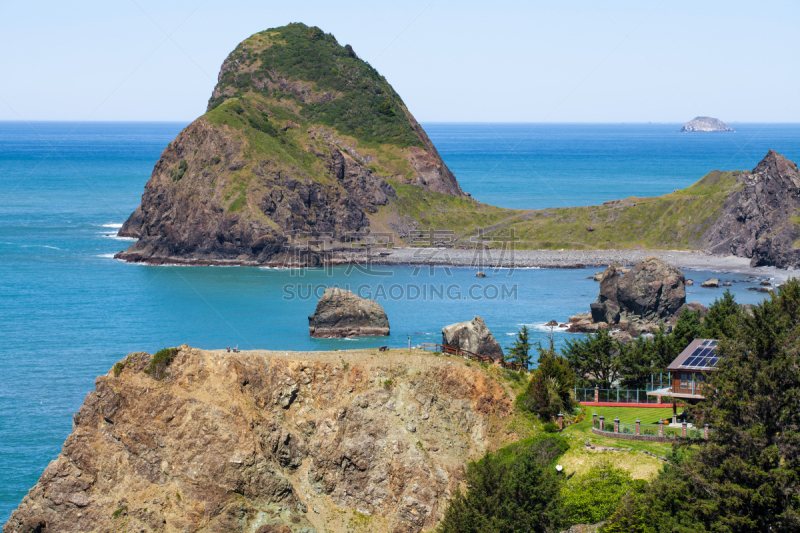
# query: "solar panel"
(690, 361)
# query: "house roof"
(700, 355)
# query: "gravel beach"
(694, 260)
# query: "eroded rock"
(340, 313)
(472, 336)
(208, 449)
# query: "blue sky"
(460, 61)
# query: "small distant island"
(705, 124)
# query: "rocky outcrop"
(265, 177)
(705, 124)
(267, 442)
(340, 313)
(650, 292)
(712, 283)
(472, 336)
(759, 220)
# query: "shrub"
(550, 427)
(120, 512)
(118, 366)
(159, 363)
(594, 496)
(178, 173)
(513, 489)
(387, 384)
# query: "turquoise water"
(68, 311)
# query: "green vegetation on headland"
(672, 221)
(745, 478)
(365, 105)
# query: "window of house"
(685, 380)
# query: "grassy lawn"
(628, 415)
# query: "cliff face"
(266, 442)
(301, 139)
(760, 219)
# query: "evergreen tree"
(520, 351)
(551, 388)
(723, 317)
(593, 360)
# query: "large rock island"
(301, 140)
(266, 442)
(705, 124)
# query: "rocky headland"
(705, 124)
(340, 313)
(266, 442)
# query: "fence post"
(594, 419)
(617, 394)
(616, 424)
(637, 426)
(660, 428)
(602, 423)
(596, 394)
(560, 420)
(683, 429)
(705, 432)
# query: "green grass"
(672, 221)
(627, 415)
(439, 211)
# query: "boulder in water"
(340, 313)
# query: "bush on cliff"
(159, 363)
(513, 489)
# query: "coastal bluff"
(263, 441)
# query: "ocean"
(68, 311)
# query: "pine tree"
(520, 351)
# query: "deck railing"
(587, 395)
(459, 352)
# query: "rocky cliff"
(303, 143)
(760, 220)
(705, 124)
(268, 442)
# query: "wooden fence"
(452, 350)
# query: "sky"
(450, 60)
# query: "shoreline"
(491, 259)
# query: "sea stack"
(705, 124)
(340, 313)
(472, 336)
(301, 139)
(650, 292)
